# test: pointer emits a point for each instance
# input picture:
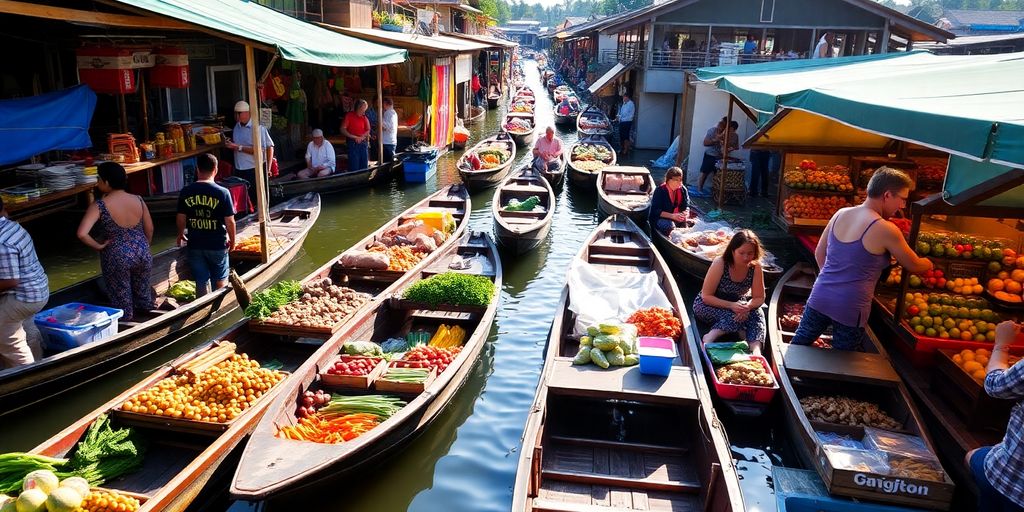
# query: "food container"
(759, 394)
(354, 381)
(76, 324)
(656, 355)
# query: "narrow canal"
(466, 460)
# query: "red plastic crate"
(759, 394)
(922, 353)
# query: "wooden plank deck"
(806, 361)
(625, 383)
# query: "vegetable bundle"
(656, 322)
(452, 288)
(343, 419)
(266, 302)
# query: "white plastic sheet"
(596, 296)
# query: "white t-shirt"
(323, 155)
(817, 49)
(389, 127)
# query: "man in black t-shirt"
(205, 209)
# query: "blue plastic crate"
(58, 336)
(419, 172)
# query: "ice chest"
(59, 336)
(419, 172)
(656, 355)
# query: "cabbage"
(362, 348)
(32, 500)
(42, 479)
(183, 291)
(77, 483)
(63, 499)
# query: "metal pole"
(257, 152)
(707, 48)
(725, 154)
(682, 120)
(145, 106)
(380, 119)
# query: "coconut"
(32, 500)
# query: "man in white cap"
(245, 164)
(320, 158)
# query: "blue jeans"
(208, 266)
(665, 226)
(989, 498)
(814, 323)
(389, 153)
(358, 155)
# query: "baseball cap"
(241, 106)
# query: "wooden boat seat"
(511, 215)
(623, 383)
(628, 260)
(526, 189)
(806, 361)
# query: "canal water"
(466, 460)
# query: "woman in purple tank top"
(852, 253)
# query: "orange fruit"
(967, 355)
(982, 360)
(979, 374)
(972, 366)
(1017, 275)
(957, 359)
(1012, 287)
(1003, 275)
(996, 285)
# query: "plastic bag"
(596, 296)
(852, 459)
(724, 353)
(363, 259)
(894, 442)
(831, 438)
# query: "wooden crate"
(403, 388)
(294, 331)
(205, 428)
(354, 381)
(966, 396)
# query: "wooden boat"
(615, 439)
(290, 185)
(523, 139)
(492, 100)
(483, 178)
(182, 455)
(636, 203)
(151, 330)
(522, 231)
(568, 119)
(475, 115)
(555, 177)
(583, 177)
(806, 371)
(272, 466)
(524, 91)
(559, 91)
(591, 121)
(453, 199)
(696, 265)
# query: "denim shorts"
(814, 323)
(208, 266)
(989, 498)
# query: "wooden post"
(145, 106)
(682, 121)
(124, 113)
(380, 118)
(725, 153)
(885, 39)
(257, 152)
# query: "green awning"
(294, 39)
(759, 86)
(964, 173)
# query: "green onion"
(407, 375)
(378, 405)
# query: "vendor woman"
(124, 254)
(670, 201)
(733, 292)
(356, 129)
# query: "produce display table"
(148, 165)
(49, 203)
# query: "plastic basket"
(419, 172)
(58, 336)
(656, 355)
(759, 394)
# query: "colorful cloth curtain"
(442, 108)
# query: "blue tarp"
(56, 120)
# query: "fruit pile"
(312, 402)
(108, 501)
(428, 357)
(964, 247)
(903, 224)
(929, 279)
(354, 365)
(218, 394)
(1008, 286)
(813, 207)
(930, 176)
(895, 276)
(791, 315)
(974, 362)
(950, 317)
(815, 179)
